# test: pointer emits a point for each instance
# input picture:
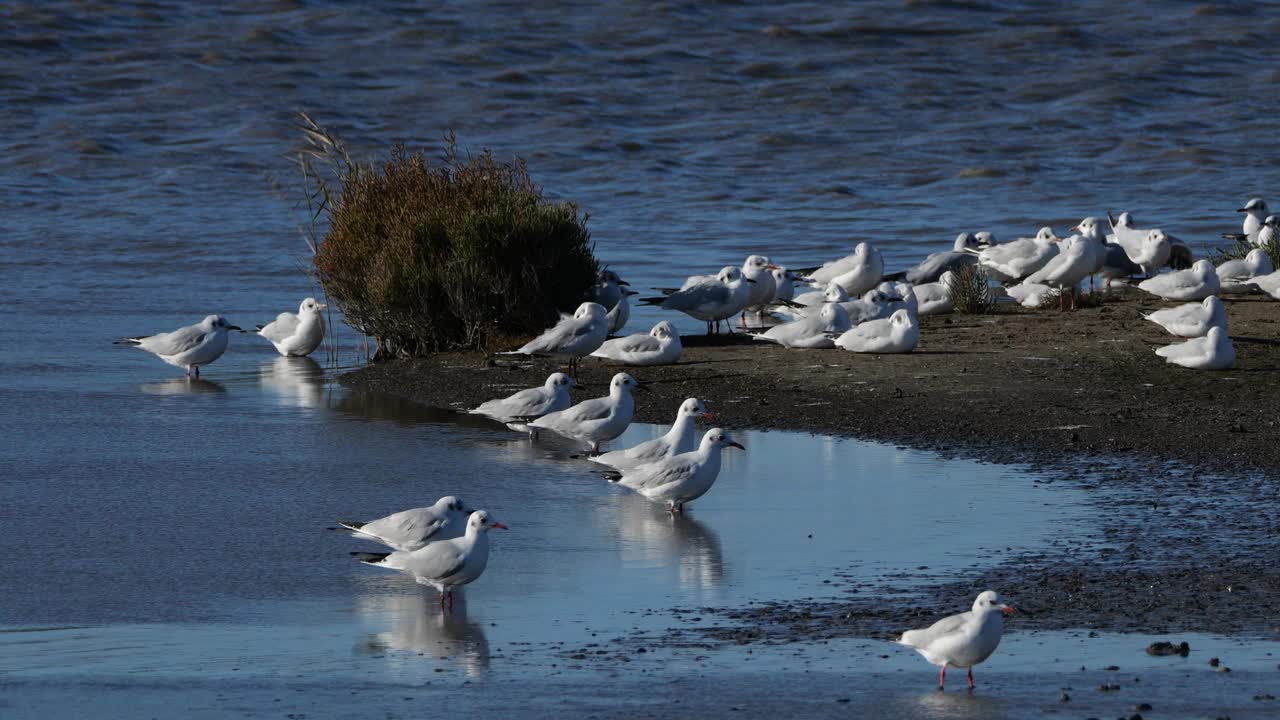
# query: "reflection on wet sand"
(296, 381)
(182, 386)
(418, 626)
(956, 705)
(651, 536)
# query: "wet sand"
(1181, 462)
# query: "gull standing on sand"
(409, 530)
(620, 313)
(810, 331)
(297, 335)
(596, 420)
(1193, 319)
(1214, 351)
(1235, 275)
(532, 403)
(1016, 260)
(1255, 216)
(1196, 283)
(679, 439)
(961, 640)
(709, 298)
(1065, 270)
(1149, 249)
(573, 337)
(856, 273)
(898, 333)
(930, 269)
(678, 479)
(446, 564)
(659, 346)
(608, 289)
(759, 274)
(187, 347)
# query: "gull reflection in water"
(182, 386)
(955, 705)
(296, 381)
(417, 626)
(654, 537)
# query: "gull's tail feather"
(353, 525)
(370, 558)
(129, 341)
(1238, 237)
(807, 270)
(652, 300)
(612, 476)
(1111, 220)
(259, 327)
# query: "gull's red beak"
(1007, 609)
(771, 266)
(737, 445)
(500, 526)
(1075, 229)
(708, 416)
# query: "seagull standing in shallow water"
(596, 420)
(678, 479)
(187, 347)
(297, 335)
(962, 640)
(409, 530)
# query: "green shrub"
(462, 253)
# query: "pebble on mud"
(1168, 648)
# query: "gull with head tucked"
(961, 640)
(1236, 275)
(532, 403)
(1196, 283)
(659, 346)
(856, 273)
(187, 347)
(573, 337)
(898, 333)
(1193, 319)
(1214, 351)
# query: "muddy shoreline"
(1181, 462)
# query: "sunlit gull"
(1149, 249)
(761, 287)
(811, 330)
(596, 420)
(898, 333)
(1236, 275)
(935, 298)
(573, 337)
(297, 335)
(1196, 283)
(679, 439)
(532, 403)
(1065, 270)
(620, 313)
(873, 305)
(985, 238)
(856, 273)
(930, 269)
(187, 347)
(1015, 260)
(784, 282)
(679, 479)
(1029, 294)
(607, 290)
(813, 299)
(659, 346)
(1126, 232)
(1269, 284)
(1192, 319)
(1269, 235)
(1255, 216)
(710, 298)
(961, 640)
(409, 530)
(1214, 351)
(446, 564)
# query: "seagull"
(532, 403)
(1014, 261)
(1235, 275)
(1214, 351)
(620, 313)
(784, 282)
(659, 346)
(679, 439)
(709, 298)
(1255, 215)
(932, 267)
(446, 564)
(856, 273)
(813, 299)
(1149, 249)
(1193, 319)
(1029, 294)
(899, 295)
(187, 347)
(608, 289)
(409, 530)
(576, 336)
(810, 331)
(1126, 232)
(759, 273)
(1269, 234)
(678, 479)
(961, 640)
(297, 335)
(934, 298)
(1065, 270)
(1269, 284)
(596, 420)
(873, 305)
(1197, 283)
(898, 333)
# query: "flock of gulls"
(848, 303)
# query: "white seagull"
(1065, 270)
(934, 298)
(1149, 249)
(187, 347)
(446, 564)
(762, 289)
(659, 346)
(1235, 275)
(1214, 351)
(678, 479)
(1269, 284)
(1255, 215)
(1015, 260)
(1029, 294)
(679, 439)
(1196, 283)
(608, 289)
(963, 252)
(409, 530)
(297, 335)
(1193, 319)
(708, 298)
(596, 420)
(573, 337)
(898, 333)
(810, 331)
(856, 273)
(532, 403)
(961, 640)
(784, 282)
(620, 313)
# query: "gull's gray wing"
(635, 343)
(524, 404)
(406, 527)
(702, 295)
(654, 475)
(174, 343)
(282, 327)
(436, 561)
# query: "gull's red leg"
(942, 677)
(970, 678)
